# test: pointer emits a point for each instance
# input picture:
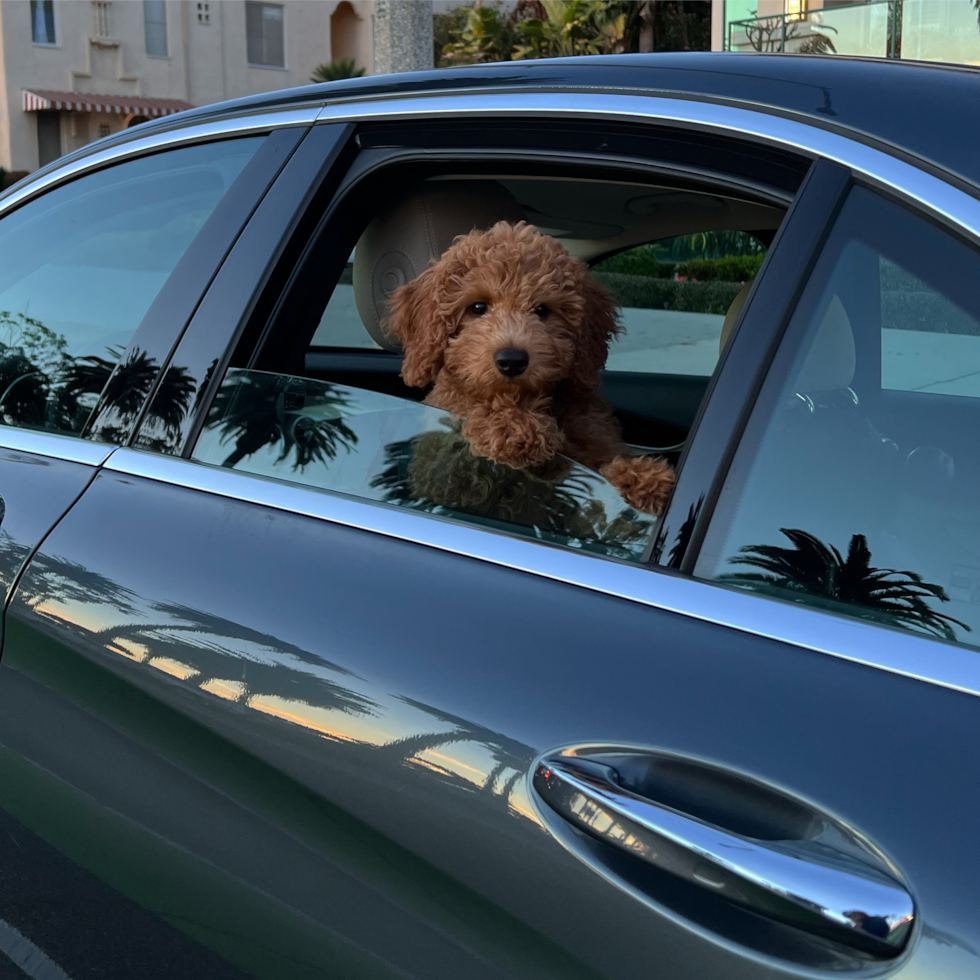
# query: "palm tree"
(259, 410)
(332, 71)
(820, 571)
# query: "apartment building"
(72, 71)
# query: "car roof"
(927, 110)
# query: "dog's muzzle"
(511, 362)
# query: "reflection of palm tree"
(259, 410)
(124, 386)
(683, 539)
(435, 471)
(820, 571)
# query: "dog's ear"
(420, 317)
(599, 326)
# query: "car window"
(341, 325)
(388, 449)
(673, 296)
(81, 265)
(856, 486)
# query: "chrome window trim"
(908, 654)
(53, 444)
(254, 122)
(881, 169)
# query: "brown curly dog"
(512, 333)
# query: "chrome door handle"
(804, 883)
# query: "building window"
(104, 129)
(42, 21)
(263, 26)
(204, 14)
(155, 27)
(100, 17)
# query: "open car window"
(673, 296)
(388, 449)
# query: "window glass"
(341, 324)
(155, 21)
(856, 488)
(42, 21)
(674, 295)
(263, 24)
(396, 451)
(80, 266)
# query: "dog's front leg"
(512, 436)
(644, 482)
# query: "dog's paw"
(517, 439)
(644, 482)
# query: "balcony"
(921, 30)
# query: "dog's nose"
(510, 361)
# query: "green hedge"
(714, 296)
(637, 262)
(730, 268)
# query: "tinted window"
(80, 266)
(859, 477)
(388, 449)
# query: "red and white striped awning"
(120, 104)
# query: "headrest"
(830, 362)
(404, 239)
(731, 316)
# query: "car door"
(348, 737)
(103, 263)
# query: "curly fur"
(553, 407)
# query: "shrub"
(332, 71)
(731, 268)
(647, 293)
(638, 262)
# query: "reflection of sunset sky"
(396, 720)
(360, 714)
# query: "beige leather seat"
(830, 362)
(403, 240)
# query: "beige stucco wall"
(204, 64)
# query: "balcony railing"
(924, 30)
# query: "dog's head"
(504, 310)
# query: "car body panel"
(398, 682)
(298, 736)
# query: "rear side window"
(857, 487)
(81, 265)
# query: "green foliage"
(560, 28)
(732, 268)
(644, 292)
(572, 27)
(332, 71)
(446, 27)
(482, 38)
(640, 261)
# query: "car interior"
(655, 399)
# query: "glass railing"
(926, 30)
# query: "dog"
(512, 331)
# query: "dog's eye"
(478, 309)
(541, 311)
